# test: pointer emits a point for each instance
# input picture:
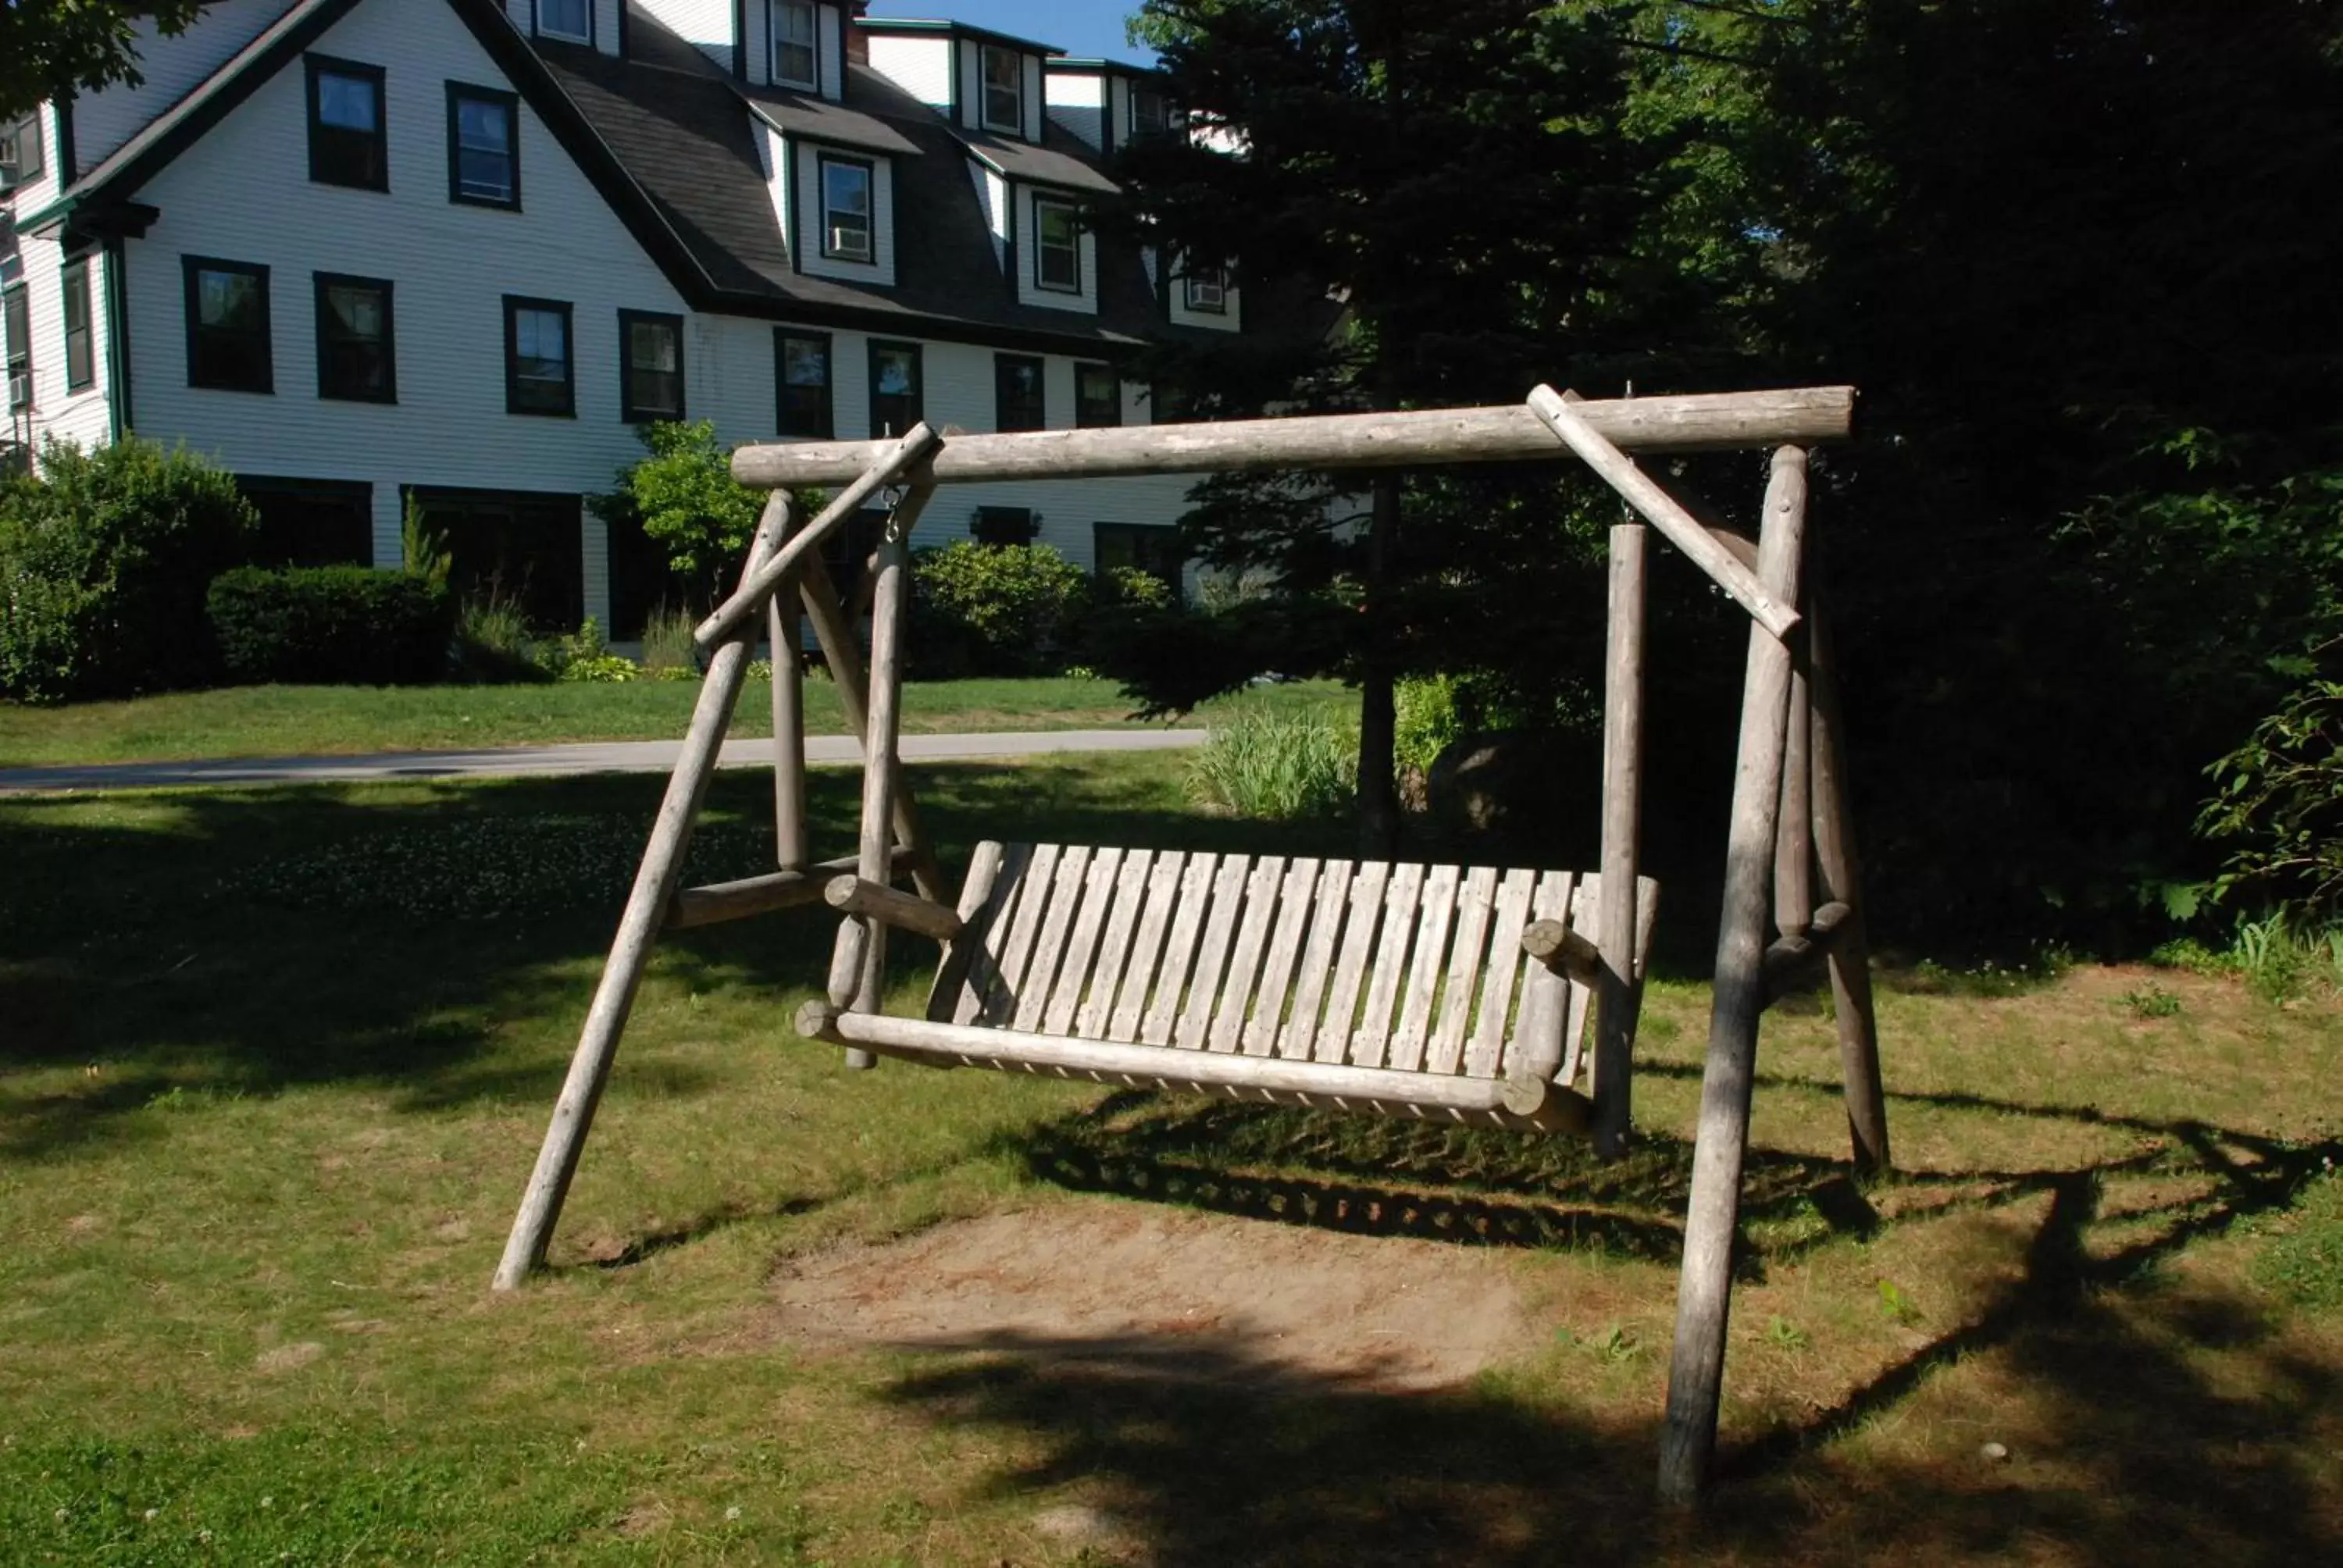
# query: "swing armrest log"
(851, 895)
(1564, 950)
(718, 901)
(1789, 958)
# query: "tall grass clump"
(492, 642)
(1277, 766)
(668, 651)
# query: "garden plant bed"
(273, 1062)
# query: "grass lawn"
(275, 1063)
(341, 721)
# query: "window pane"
(484, 124)
(896, 375)
(793, 43)
(1097, 395)
(568, 17)
(347, 103)
(229, 300)
(805, 362)
(847, 189)
(1004, 88)
(650, 345)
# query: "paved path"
(593, 757)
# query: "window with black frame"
(571, 20)
(356, 359)
(349, 144)
(1004, 90)
(1017, 392)
(897, 400)
(794, 40)
(81, 362)
(1149, 548)
(540, 372)
(847, 234)
(802, 380)
(1097, 397)
(651, 366)
(1057, 247)
(228, 346)
(16, 325)
(483, 146)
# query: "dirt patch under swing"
(1171, 1291)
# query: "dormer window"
(348, 145)
(1004, 90)
(570, 19)
(794, 38)
(1057, 247)
(845, 230)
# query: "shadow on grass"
(2127, 1450)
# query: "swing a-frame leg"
(653, 901)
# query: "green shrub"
(105, 559)
(583, 656)
(331, 626)
(1427, 721)
(1277, 766)
(994, 610)
(492, 642)
(2279, 809)
(605, 668)
(682, 493)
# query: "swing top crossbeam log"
(1510, 433)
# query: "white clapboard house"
(357, 250)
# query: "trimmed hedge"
(331, 626)
(104, 557)
(994, 610)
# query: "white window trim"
(811, 83)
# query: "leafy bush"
(331, 626)
(1277, 766)
(1427, 721)
(603, 668)
(994, 610)
(2279, 809)
(683, 494)
(105, 559)
(492, 642)
(583, 656)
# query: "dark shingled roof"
(684, 130)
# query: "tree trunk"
(1378, 721)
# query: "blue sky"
(1088, 27)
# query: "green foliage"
(105, 559)
(994, 610)
(330, 626)
(2279, 808)
(1784, 1334)
(1427, 721)
(492, 644)
(583, 656)
(2304, 1261)
(1897, 1304)
(421, 545)
(2152, 1001)
(50, 49)
(1276, 766)
(683, 495)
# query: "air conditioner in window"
(853, 242)
(20, 390)
(1206, 294)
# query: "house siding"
(84, 418)
(1075, 101)
(920, 66)
(706, 25)
(242, 193)
(173, 67)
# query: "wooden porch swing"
(1452, 993)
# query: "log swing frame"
(1790, 855)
